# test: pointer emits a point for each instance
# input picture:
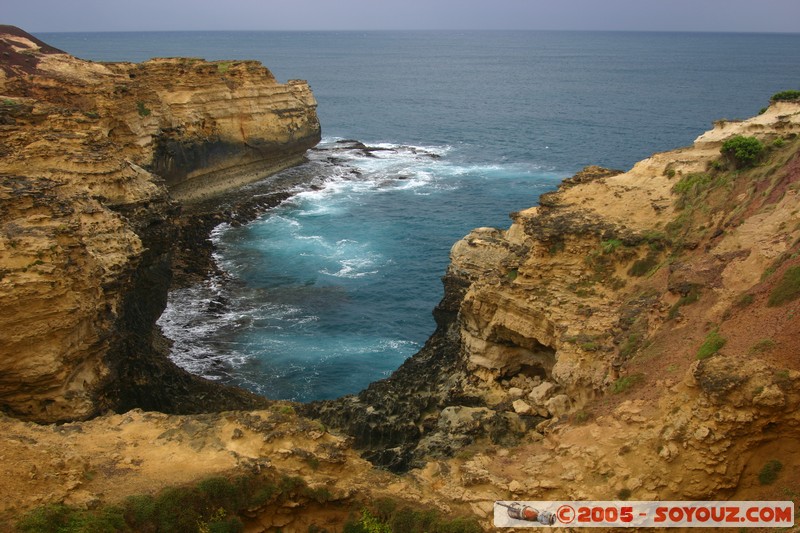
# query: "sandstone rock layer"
(93, 157)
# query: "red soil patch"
(12, 60)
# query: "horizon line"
(387, 30)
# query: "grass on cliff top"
(750, 175)
(387, 518)
(213, 505)
(786, 96)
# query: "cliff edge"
(96, 160)
(633, 335)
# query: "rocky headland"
(98, 163)
(634, 336)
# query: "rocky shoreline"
(92, 153)
(631, 337)
(559, 321)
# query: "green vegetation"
(512, 274)
(610, 245)
(656, 240)
(581, 417)
(142, 109)
(286, 410)
(769, 473)
(782, 378)
(764, 345)
(367, 524)
(689, 299)
(624, 494)
(211, 506)
(787, 289)
(776, 264)
(778, 143)
(91, 114)
(626, 383)
(313, 462)
(744, 151)
(785, 96)
(60, 518)
(744, 300)
(711, 345)
(214, 505)
(223, 67)
(556, 247)
(692, 184)
(717, 165)
(387, 519)
(630, 345)
(643, 266)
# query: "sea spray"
(334, 288)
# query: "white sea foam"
(351, 268)
(260, 329)
(383, 166)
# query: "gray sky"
(659, 15)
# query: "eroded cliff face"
(92, 159)
(621, 338)
(633, 336)
(641, 306)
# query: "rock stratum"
(96, 160)
(634, 336)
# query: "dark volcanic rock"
(388, 420)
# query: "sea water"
(334, 288)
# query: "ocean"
(334, 288)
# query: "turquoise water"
(335, 288)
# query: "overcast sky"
(659, 15)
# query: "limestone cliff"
(92, 159)
(633, 335)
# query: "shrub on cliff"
(786, 96)
(769, 473)
(211, 506)
(744, 151)
(60, 518)
(142, 109)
